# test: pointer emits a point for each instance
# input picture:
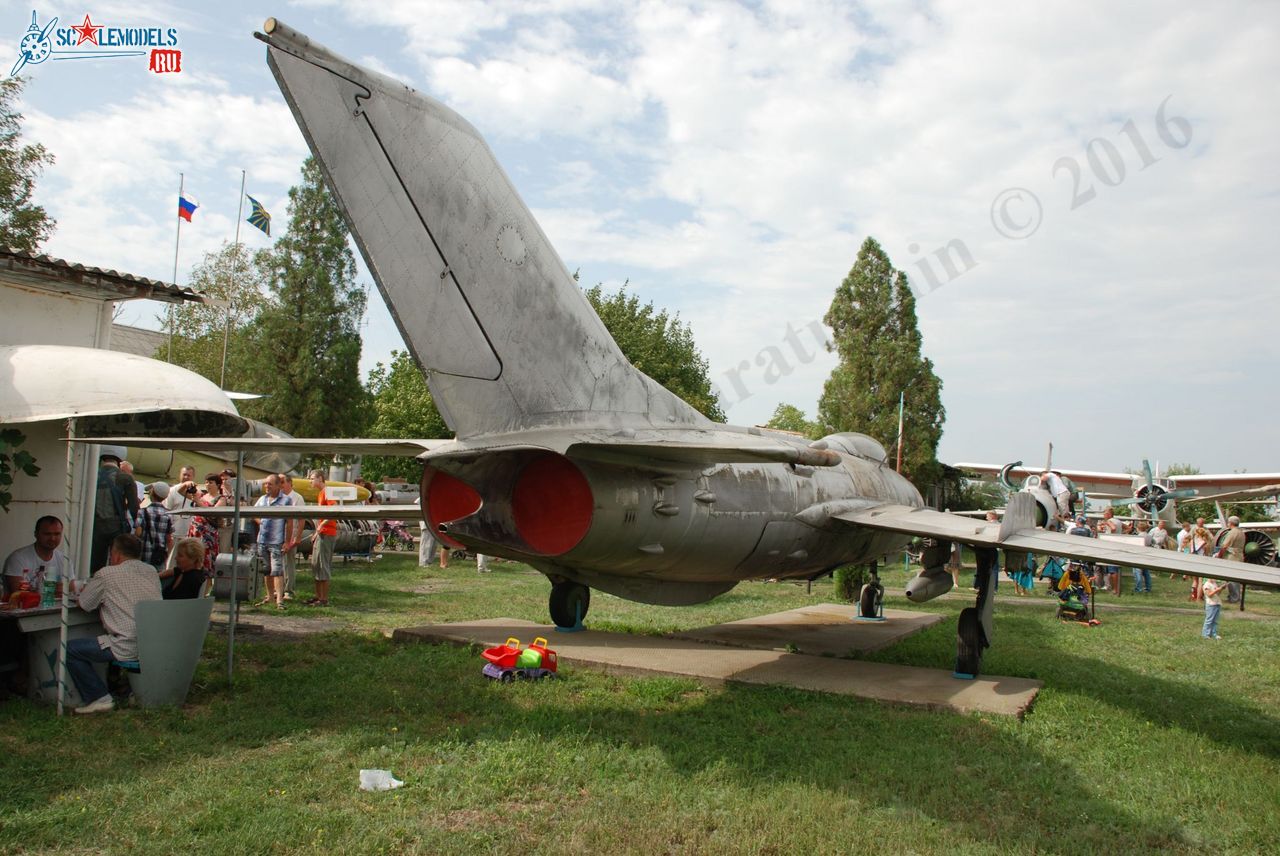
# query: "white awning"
(39, 383)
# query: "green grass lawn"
(1144, 738)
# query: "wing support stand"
(568, 605)
(974, 630)
(871, 598)
(232, 603)
(577, 626)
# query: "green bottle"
(46, 588)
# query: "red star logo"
(88, 32)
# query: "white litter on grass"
(378, 780)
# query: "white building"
(56, 375)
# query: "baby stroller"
(1075, 593)
(1052, 571)
(395, 535)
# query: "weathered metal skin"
(749, 531)
(681, 534)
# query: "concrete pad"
(832, 629)
(620, 653)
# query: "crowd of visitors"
(155, 541)
(1191, 538)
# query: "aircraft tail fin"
(483, 301)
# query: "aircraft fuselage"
(663, 533)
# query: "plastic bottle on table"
(46, 587)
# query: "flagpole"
(176, 241)
(902, 398)
(226, 328)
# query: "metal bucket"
(247, 574)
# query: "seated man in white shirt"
(42, 560)
(115, 591)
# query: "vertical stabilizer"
(482, 299)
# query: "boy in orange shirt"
(322, 545)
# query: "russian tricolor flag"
(186, 207)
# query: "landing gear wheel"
(869, 602)
(569, 603)
(969, 643)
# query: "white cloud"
(730, 158)
(525, 94)
(114, 187)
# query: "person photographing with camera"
(179, 503)
(216, 495)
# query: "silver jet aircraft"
(566, 457)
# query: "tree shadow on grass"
(987, 783)
(1028, 646)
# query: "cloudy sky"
(1082, 193)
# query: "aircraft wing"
(311, 446)
(1028, 539)
(314, 512)
(1238, 486)
(1099, 484)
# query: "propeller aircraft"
(1149, 495)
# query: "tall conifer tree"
(307, 335)
(873, 319)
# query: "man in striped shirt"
(270, 538)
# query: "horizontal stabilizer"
(928, 523)
(703, 454)
(1264, 490)
(310, 512)
(310, 446)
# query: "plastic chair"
(170, 638)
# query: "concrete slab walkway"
(831, 629)
(717, 663)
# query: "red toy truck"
(507, 662)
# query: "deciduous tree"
(402, 408)
(23, 224)
(235, 278)
(787, 417)
(658, 344)
(875, 332)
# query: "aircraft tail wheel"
(569, 603)
(969, 644)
